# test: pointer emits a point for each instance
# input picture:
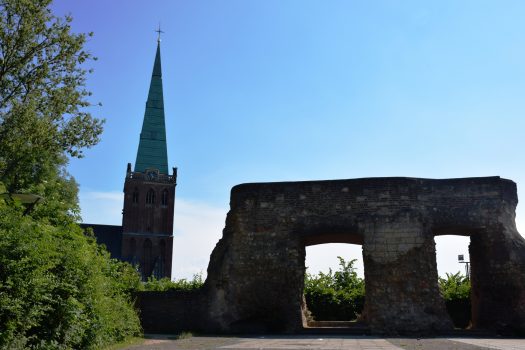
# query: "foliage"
(336, 295)
(455, 286)
(126, 344)
(58, 288)
(165, 284)
(42, 94)
(456, 292)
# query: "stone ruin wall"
(256, 271)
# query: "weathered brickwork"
(256, 272)
(172, 311)
(147, 222)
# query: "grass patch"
(182, 335)
(128, 342)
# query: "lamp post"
(28, 199)
(461, 260)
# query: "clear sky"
(280, 90)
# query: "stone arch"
(315, 230)
(397, 218)
(490, 249)
(340, 235)
(451, 246)
(256, 271)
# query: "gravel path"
(159, 342)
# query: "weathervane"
(159, 32)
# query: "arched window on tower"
(135, 197)
(164, 200)
(150, 197)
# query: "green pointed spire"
(152, 152)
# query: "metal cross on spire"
(159, 32)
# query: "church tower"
(149, 191)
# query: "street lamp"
(28, 199)
(461, 260)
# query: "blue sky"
(273, 90)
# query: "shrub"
(59, 289)
(165, 284)
(456, 292)
(336, 295)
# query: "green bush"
(336, 295)
(456, 292)
(455, 286)
(455, 289)
(165, 284)
(59, 289)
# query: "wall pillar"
(259, 286)
(497, 256)
(402, 293)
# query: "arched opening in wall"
(334, 290)
(453, 267)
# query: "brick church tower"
(149, 191)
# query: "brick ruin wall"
(256, 271)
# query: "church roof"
(109, 235)
(152, 151)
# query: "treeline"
(340, 295)
(166, 284)
(335, 296)
(59, 289)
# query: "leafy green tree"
(43, 98)
(455, 286)
(58, 288)
(336, 295)
(455, 289)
